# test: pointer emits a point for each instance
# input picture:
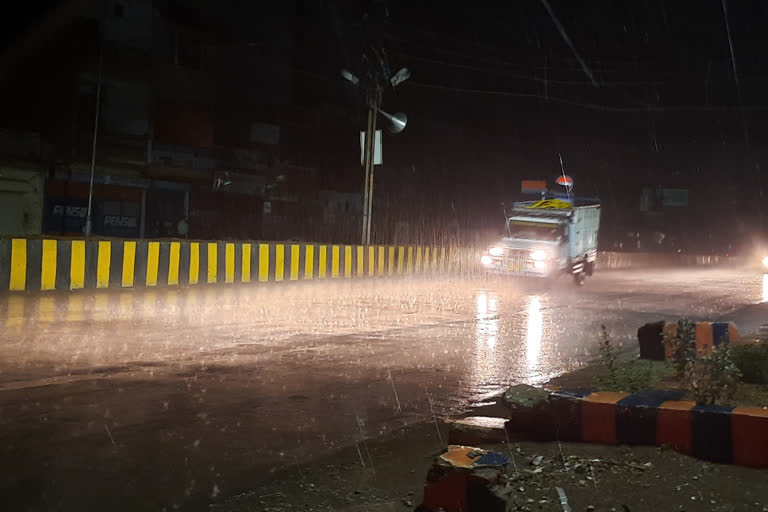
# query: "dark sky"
(496, 93)
(24, 15)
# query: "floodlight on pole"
(397, 121)
(350, 77)
(400, 77)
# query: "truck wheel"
(579, 278)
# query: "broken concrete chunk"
(523, 396)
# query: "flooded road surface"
(146, 399)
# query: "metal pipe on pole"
(370, 176)
(88, 222)
(367, 154)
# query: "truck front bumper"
(518, 268)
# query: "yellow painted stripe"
(279, 262)
(380, 270)
(400, 256)
(427, 252)
(295, 251)
(102, 264)
(360, 261)
(323, 263)
(391, 261)
(263, 263)
(194, 262)
(434, 259)
(335, 261)
(18, 264)
(309, 261)
(129, 264)
(213, 262)
(48, 269)
(173, 264)
(371, 260)
(409, 267)
(418, 259)
(245, 271)
(153, 262)
(229, 263)
(442, 258)
(347, 261)
(77, 265)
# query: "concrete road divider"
(620, 260)
(51, 264)
(708, 336)
(59, 264)
(653, 417)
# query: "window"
(535, 231)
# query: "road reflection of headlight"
(765, 287)
(538, 255)
(540, 265)
(534, 332)
(486, 260)
(496, 251)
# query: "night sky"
(496, 95)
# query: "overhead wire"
(591, 106)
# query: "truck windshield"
(534, 231)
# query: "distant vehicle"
(547, 238)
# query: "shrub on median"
(630, 376)
(752, 360)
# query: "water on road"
(227, 382)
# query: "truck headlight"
(486, 260)
(538, 255)
(496, 251)
(765, 262)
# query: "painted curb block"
(708, 336)
(653, 417)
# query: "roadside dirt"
(596, 478)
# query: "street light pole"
(368, 149)
(396, 122)
(372, 158)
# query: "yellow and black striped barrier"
(52, 264)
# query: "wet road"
(197, 393)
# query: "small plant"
(632, 376)
(608, 357)
(713, 378)
(752, 361)
(683, 345)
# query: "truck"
(547, 238)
